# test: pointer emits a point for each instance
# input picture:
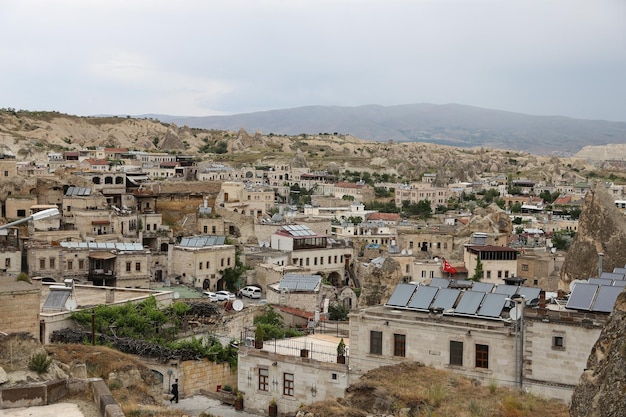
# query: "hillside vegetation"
(412, 389)
(32, 135)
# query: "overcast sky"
(209, 57)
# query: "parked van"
(251, 291)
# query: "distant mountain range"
(450, 124)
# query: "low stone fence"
(50, 392)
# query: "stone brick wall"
(197, 376)
(19, 307)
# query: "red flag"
(448, 268)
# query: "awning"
(95, 222)
(102, 255)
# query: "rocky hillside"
(601, 229)
(448, 124)
(600, 391)
(30, 136)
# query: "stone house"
(498, 262)
(95, 164)
(435, 241)
(301, 291)
(292, 372)
(18, 206)
(8, 168)
(477, 338)
(421, 191)
(254, 201)
(312, 251)
(105, 264)
(199, 260)
(361, 192)
(540, 269)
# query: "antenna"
(515, 313)
(574, 282)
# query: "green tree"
(575, 213)
(232, 276)
(478, 271)
(337, 311)
(516, 207)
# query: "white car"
(210, 295)
(251, 291)
(224, 296)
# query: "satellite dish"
(237, 305)
(403, 252)
(176, 295)
(410, 251)
(515, 313)
(574, 282)
(71, 304)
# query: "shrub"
(114, 385)
(493, 385)
(437, 393)
(39, 362)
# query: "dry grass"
(101, 361)
(427, 391)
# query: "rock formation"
(601, 229)
(378, 281)
(600, 391)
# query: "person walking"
(175, 391)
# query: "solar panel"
(469, 303)
(492, 305)
(401, 295)
(56, 299)
(299, 282)
(506, 289)
(601, 281)
(619, 283)
(611, 275)
(439, 282)
(299, 230)
(619, 270)
(445, 298)
(582, 296)
(423, 297)
(530, 293)
(201, 241)
(483, 286)
(605, 299)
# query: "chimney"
(600, 262)
(542, 299)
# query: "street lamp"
(40, 215)
(518, 317)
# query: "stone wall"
(198, 376)
(19, 307)
(33, 394)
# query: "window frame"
(399, 345)
(263, 379)
(288, 384)
(456, 353)
(376, 342)
(558, 342)
(482, 356)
